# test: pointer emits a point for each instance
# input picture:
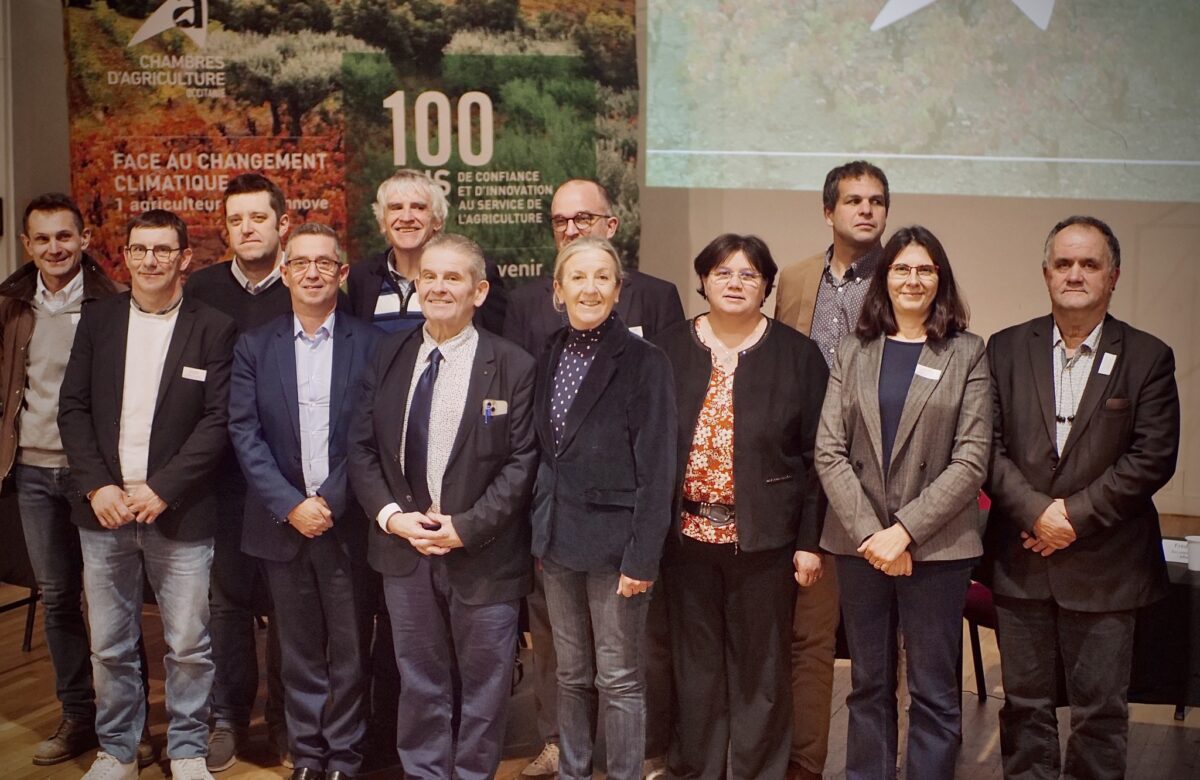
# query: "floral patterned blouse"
(709, 474)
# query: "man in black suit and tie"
(296, 383)
(648, 305)
(1086, 431)
(443, 457)
(142, 412)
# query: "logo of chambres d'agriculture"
(190, 16)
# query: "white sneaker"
(545, 765)
(105, 767)
(190, 769)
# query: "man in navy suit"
(443, 457)
(296, 381)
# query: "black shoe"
(304, 773)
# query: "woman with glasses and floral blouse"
(746, 525)
(902, 451)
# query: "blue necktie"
(416, 441)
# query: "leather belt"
(717, 514)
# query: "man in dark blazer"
(142, 412)
(296, 383)
(1086, 431)
(648, 305)
(443, 457)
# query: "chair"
(980, 610)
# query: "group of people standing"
(415, 452)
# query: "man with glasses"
(301, 374)
(582, 207)
(40, 306)
(143, 413)
(822, 296)
(248, 289)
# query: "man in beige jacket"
(821, 296)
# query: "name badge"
(1106, 363)
(194, 374)
(494, 407)
(929, 373)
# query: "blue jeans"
(598, 638)
(113, 565)
(43, 496)
(928, 608)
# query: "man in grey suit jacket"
(1086, 430)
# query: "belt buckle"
(717, 514)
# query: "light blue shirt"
(314, 372)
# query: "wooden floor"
(1160, 748)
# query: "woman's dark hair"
(725, 246)
(948, 313)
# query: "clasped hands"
(430, 533)
(114, 507)
(1052, 531)
(887, 551)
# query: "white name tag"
(494, 407)
(636, 330)
(194, 374)
(1106, 363)
(929, 373)
(1175, 550)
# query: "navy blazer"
(264, 424)
(1122, 449)
(488, 478)
(367, 278)
(187, 436)
(603, 496)
(646, 302)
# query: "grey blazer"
(939, 458)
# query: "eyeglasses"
(161, 252)
(747, 278)
(583, 221)
(926, 273)
(325, 266)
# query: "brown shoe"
(72, 738)
(797, 772)
(147, 754)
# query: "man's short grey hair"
(465, 247)
(315, 229)
(407, 179)
(1110, 238)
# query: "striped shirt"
(1070, 379)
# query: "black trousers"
(730, 614)
(1096, 650)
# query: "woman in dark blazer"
(902, 451)
(746, 526)
(605, 417)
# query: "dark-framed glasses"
(747, 277)
(583, 221)
(162, 253)
(326, 266)
(926, 273)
